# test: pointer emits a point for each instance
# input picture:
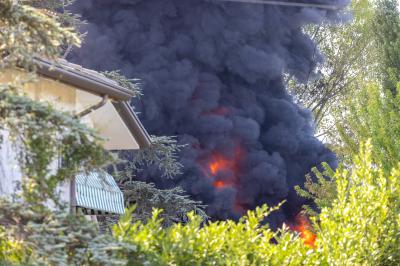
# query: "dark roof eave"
(82, 80)
(97, 86)
(133, 123)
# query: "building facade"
(100, 103)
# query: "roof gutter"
(133, 123)
(79, 79)
(119, 96)
(93, 107)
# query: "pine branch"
(130, 84)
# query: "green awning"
(98, 191)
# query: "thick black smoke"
(211, 72)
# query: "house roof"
(96, 83)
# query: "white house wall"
(11, 176)
(107, 122)
(10, 173)
(64, 97)
(110, 126)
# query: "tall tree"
(347, 48)
(373, 109)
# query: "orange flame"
(219, 184)
(223, 169)
(220, 164)
(303, 228)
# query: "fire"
(303, 228)
(225, 165)
(219, 184)
(220, 164)
(223, 170)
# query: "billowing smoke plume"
(211, 72)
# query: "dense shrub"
(374, 114)
(361, 227)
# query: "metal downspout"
(93, 107)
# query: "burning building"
(212, 75)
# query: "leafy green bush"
(322, 192)
(361, 227)
(28, 237)
(374, 113)
(11, 250)
(246, 242)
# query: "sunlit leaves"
(360, 227)
(26, 32)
